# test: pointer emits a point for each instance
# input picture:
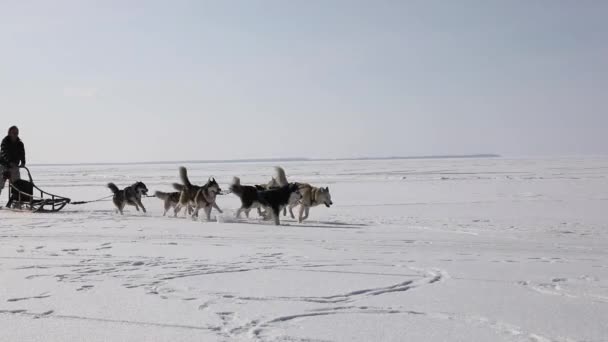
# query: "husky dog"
(205, 198)
(275, 182)
(311, 197)
(187, 191)
(248, 196)
(130, 195)
(170, 199)
(189, 194)
(278, 198)
(274, 199)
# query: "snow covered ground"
(413, 250)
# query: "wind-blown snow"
(413, 250)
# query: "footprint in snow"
(44, 314)
(85, 288)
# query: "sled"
(24, 195)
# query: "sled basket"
(24, 195)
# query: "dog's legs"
(291, 206)
(285, 211)
(302, 209)
(306, 213)
(276, 212)
(208, 212)
(196, 210)
(167, 207)
(260, 213)
(138, 202)
(186, 211)
(121, 208)
(217, 208)
(238, 212)
(247, 212)
(176, 210)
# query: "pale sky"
(102, 81)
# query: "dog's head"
(213, 187)
(295, 194)
(141, 188)
(325, 197)
(6, 175)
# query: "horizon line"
(268, 160)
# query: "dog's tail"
(236, 186)
(162, 195)
(178, 187)
(114, 188)
(281, 177)
(183, 175)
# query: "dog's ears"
(327, 188)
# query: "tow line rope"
(108, 197)
(97, 200)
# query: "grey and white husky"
(170, 200)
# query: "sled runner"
(24, 195)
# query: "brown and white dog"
(197, 197)
(311, 196)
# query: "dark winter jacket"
(12, 152)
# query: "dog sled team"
(268, 199)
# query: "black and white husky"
(274, 199)
(130, 195)
(248, 196)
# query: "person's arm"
(4, 152)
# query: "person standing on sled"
(12, 155)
